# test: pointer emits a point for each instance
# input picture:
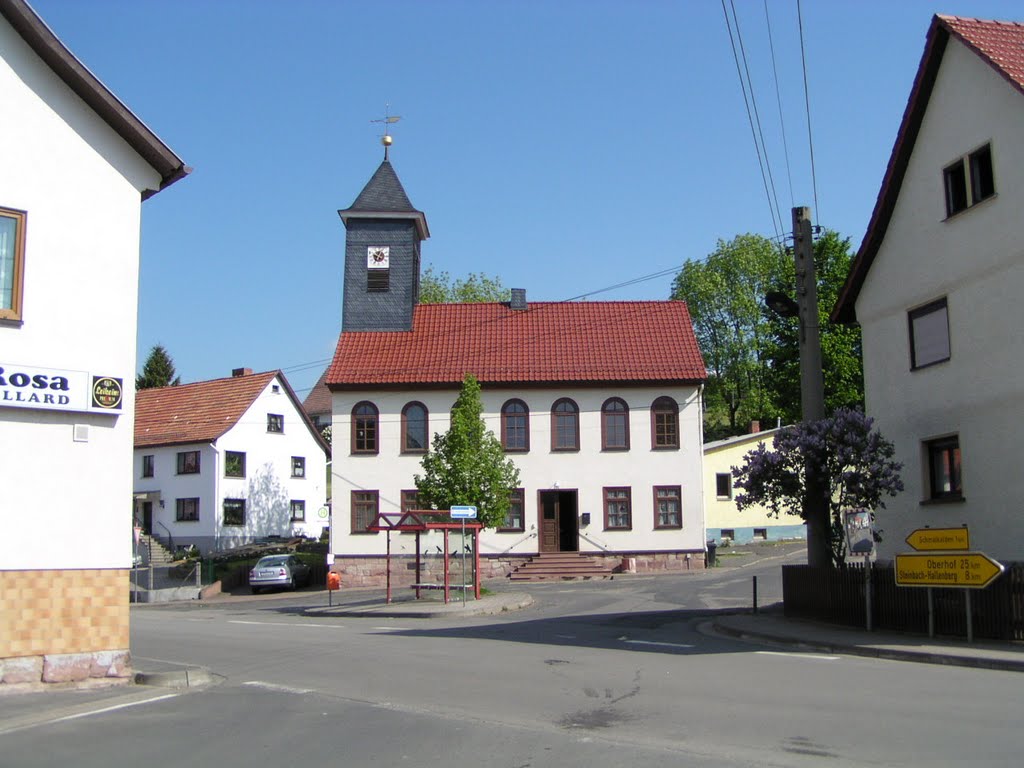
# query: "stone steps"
(561, 566)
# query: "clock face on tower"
(377, 257)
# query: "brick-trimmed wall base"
(61, 670)
(371, 570)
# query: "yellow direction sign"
(970, 570)
(940, 539)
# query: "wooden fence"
(837, 595)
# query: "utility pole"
(812, 386)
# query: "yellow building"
(722, 520)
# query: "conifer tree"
(158, 371)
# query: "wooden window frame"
(405, 428)
(506, 430)
(668, 407)
(14, 312)
(555, 447)
(224, 512)
(658, 525)
(605, 493)
(410, 500)
(373, 503)
(368, 421)
(183, 463)
(179, 510)
(227, 456)
(520, 494)
(947, 449)
(969, 180)
(606, 414)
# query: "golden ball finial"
(386, 140)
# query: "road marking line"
(652, 642)
(276, 687)
(113, 708)
(800, 655)
(391, 629)
(285, 624)
(566, 637)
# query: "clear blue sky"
(563, 146)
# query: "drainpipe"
(703, 509)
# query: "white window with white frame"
(929, 334)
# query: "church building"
(597, 403)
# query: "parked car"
(283, 571)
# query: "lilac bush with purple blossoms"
(854, 459)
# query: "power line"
(778, 99)
(761, 161)
(807, 104)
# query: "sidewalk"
(430, 607)
(774, 628)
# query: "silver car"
(283, 571)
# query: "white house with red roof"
(936, 288)
(225, 462)
(77, 164)
(597, 403)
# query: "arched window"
(414, 428)
(664, 424)
(614, 425)
(515, 426)
(364, 428)
(565, 425)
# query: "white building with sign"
(76, 166)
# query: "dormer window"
(969, 180)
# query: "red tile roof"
(564, 342)
(318, 401)
(998, 43)
(196, 413)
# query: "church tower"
(382, 255)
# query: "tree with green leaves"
(467, 465)
(158, 371)
(477, 288)
(840, 344)
(752, 355)
(725, 295)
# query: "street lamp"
(812, 385)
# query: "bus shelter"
(420, 521)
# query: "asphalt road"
(592, 674)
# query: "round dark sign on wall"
(107, 392)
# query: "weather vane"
(387, 120)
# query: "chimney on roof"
(236, 372)
(755, 426)
(518, 299)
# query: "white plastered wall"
(67, 504)
(976, 260)
(587, 471)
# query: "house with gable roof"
(225, 462)
(77, 165)
(726, 523)
(936, 289)
(597, 403)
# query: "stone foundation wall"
(371, 570)
(64, 627)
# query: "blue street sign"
(463, 513)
